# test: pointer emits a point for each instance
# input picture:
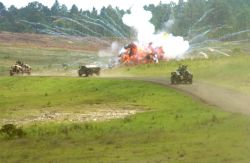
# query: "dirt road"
(226, 99)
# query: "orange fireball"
(135, 54)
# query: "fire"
(134, 53)
(165, 45)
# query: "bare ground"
(223, 98)
(102, 115)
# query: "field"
(230, 72)
(50, 55)
(113, 119)
(170, 126)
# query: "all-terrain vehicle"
(89, 70)
(181, 75)
(20, 68)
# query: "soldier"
(152, 53)
(20, 63)
(160, 52)
(182, 69)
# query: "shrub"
(10, 131)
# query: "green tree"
(74, 10)
(2, 9)
(55, 9)
(64, 10)
(160, 15)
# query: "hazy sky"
(86, 4)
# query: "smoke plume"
(139, 19)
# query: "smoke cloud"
(111, 51)
(139, 19)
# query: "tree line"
(222, 19)
(58, 19)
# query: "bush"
(10, 131)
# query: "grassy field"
(231, 72)
(44, 61)
(167, 127)
(171, 127)
(50, 55)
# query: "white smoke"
(139, 20)
(108, 57)
(169, 24)
(111, 51)
(173, 46)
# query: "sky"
(87, 4)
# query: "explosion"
(133, 53)
(150, 47)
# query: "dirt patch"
(226, 99)
(103, 115)
(71, 73)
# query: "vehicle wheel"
(11, 73)
(172, 81)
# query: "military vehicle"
(89, 70)
(20, 67)
(181, 75)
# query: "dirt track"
(226, 99)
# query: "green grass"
(42, 59)
(172, 128)
(231, 72)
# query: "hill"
(52, 54)
(211, 19)
(42, 41)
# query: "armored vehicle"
(89, 70)
(181, 75)
(20, 67)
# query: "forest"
(223, 19)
